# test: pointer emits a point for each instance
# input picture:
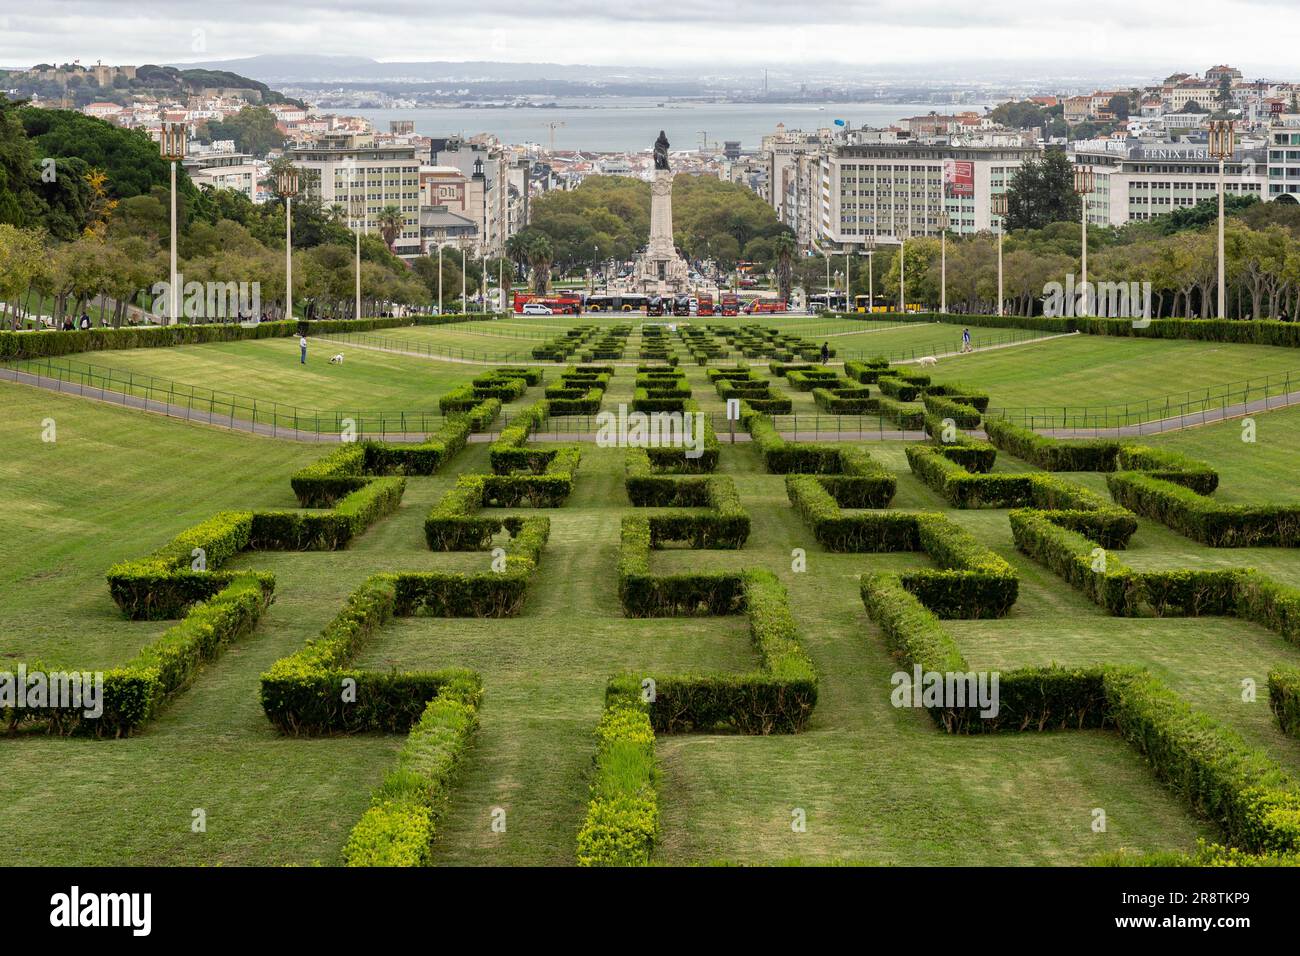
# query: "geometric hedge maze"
(840, 493)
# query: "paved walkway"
(506, 363)
(271, 430)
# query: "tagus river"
(627, 124)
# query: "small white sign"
(733, 409)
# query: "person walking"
(302, 345)
(965, 340)
(826, 352)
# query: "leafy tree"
(1042, 192)
(253, 129)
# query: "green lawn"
(1089, 370)
(879, 785)
(269, 371)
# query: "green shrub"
(400, 825)
(1203, 519)
(1253, 800)
(622, 822)
(1052, 454)
(1284, 697)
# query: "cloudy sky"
(1137, 36)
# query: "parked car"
(536, 308)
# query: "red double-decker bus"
(704, 304)
(559, 303)
(730, 303)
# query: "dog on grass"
(337, 360)
(927, 360)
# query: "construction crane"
(705, 143)
(553, 126)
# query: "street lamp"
(998, 206)
(870, 245)
(902, 270)
(943, 261)
(1222, 140)
(172, 147)
(287, 183)
(357, 209)
(464, 302)
(440, 276)
(848, 277)
(1083, 182)
(828, 279)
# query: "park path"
(203, 416)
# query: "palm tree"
(337, 212)
(517, 250)
(540, 255)
(390, 222)
(785, 248)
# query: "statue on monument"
(661, 151)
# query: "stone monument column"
(659, 269)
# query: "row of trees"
(1262, 264)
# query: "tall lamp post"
(287, 182)
(998, 206)
(871, 273)
(848, 279)
(440, 277)
(828, 279)
(464, 302)
(902, 270)
(943, 261)
(357, 206)
(1222, 141)
(172, 147)
(1083, 181)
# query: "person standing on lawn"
(302, 344)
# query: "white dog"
(337, 360)
(927, 360)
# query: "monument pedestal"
(660, 270)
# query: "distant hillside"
(78, 85)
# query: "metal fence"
(211, 406)
(1179, 410)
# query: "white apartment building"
(219, 169)
(1284, 158)
(383, 176)
(877, 192)
(780, 153)
(1142, 181)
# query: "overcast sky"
(1140, 35)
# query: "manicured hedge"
(399, 827)
(1203, 519)
(163, 584)
(898, 388)
(1052, 454)
(314, 691)
(863, 482)
(644, 594)
(963, 415)
(971, 581)
(1072, 505)
(778, 698)
(1284, 697)
(349, 467)
(906, 416)
(845, 401)
(1168, 466)
(48, 343)
(1253, 800)
(1032, 698)
(135, 692)
(622, 822)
